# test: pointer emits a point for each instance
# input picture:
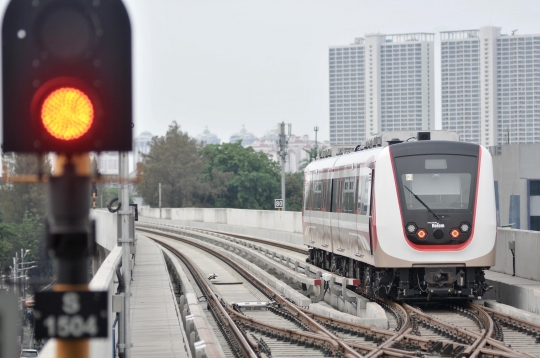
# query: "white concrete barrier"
(103, 281)
(527, 246)
(106, 228)
(287, 221)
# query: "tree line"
(22, 216)
(213, 176)
(191, 175)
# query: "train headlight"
(465, 227)
(454, 233)
(411, 228)
(422, 234)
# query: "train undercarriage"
(406, 284)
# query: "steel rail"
(269, 291)
(244, 347)
(282, 245)
(476, 344)
(346, 348)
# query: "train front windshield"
(444, 183)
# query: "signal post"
(66, 72)
(69, 235)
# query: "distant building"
(208, 138)
(379, 84)
(271, 135)
(516, 172)
(296, 149)
(108, 163)
(246, 137)
(491, 86)
(141, 145)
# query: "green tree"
(17, 199)
(312, 154)
(23, 212)
(6, 252)
(294, 187)
(27, 235)
(111, 193)
(175, 162)
(251, 178)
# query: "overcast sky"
(228, 63)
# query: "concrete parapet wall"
(527, 245)
(287, 221)
(282, 236)
(106, 228)
(102, 281)
(515, 312)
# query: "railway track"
(444, 330)
(312, 333)
(283, 245)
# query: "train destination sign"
(71, 315)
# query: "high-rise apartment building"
(141, 145)
(491, 86)
(381, 83)
(108, 163)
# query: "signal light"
(411, 228)
(422, 234)
(67, 113)
(454, 233)
(465, 227)
(66, 76)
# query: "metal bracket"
(345, 293)
(129, 241)
(320, 296)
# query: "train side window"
(317, 194)
(356, 195)
(365, 197)
(348, 195)
(340, 196)
(329, 195)
(307, 185)
(368, 193)
(360, 195)
(324, 195)
(345, 195)
(335, 192)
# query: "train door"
(354, 234)
(347, 220)
(369, 209)
(337, 200)
(316, 221)
(339, 239)
(326, 240)
(307, 215)
(362, 213)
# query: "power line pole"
(160, 200)
(15, 273)
(316, 129)
(126, 241)
(283, 141)
(69, 235)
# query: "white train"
(412, 215)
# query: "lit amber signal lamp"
(67, 113)
(422, 234)
(455, 233)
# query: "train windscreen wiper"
(421, 202)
